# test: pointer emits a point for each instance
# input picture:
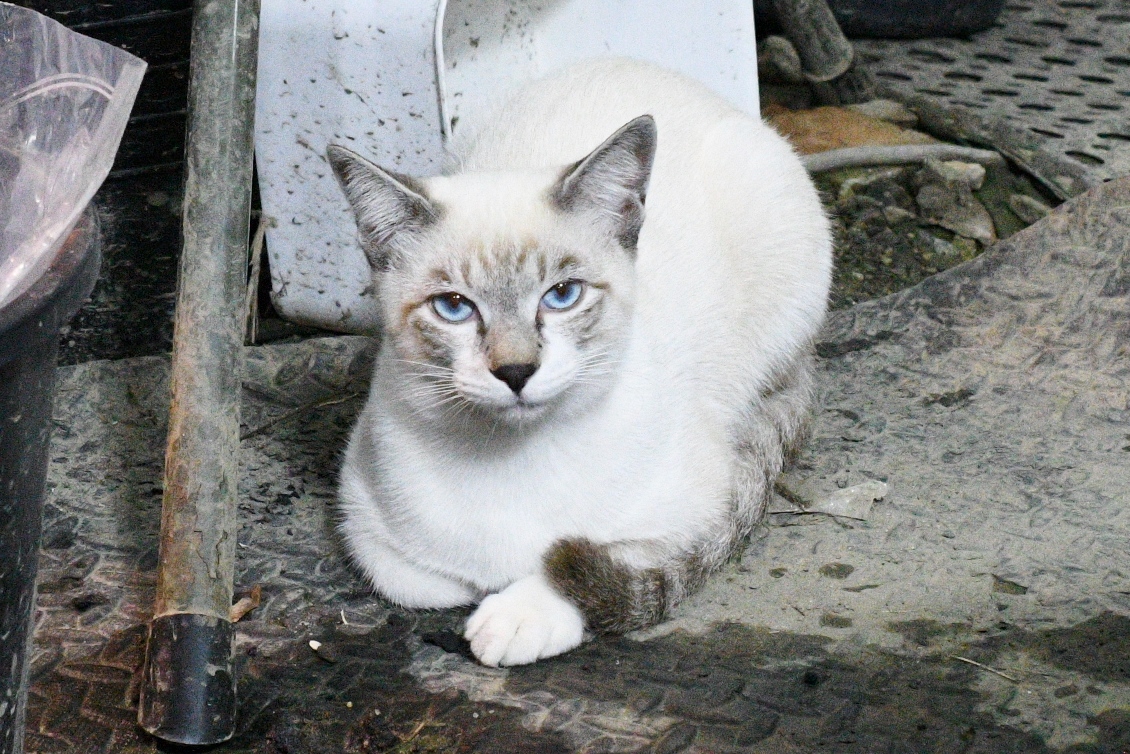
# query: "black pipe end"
(188, 685)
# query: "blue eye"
(453, 307)
(563, 295)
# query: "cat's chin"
(521, 412)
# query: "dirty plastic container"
(901, 19)
(915, 19)
(29, 338)
(65, 100)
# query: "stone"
(895, 215)
(966, 247)
(778, 62)
(878, 183)
(944, 249)
(945, 198)
(836, 570)
(888, 110)
(832, 620)
(969, 173)
(1028, 208)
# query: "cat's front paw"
(526, 621)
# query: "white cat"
(579, 408)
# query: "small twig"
(416, 731)
(429, 721)
(856, 157)
(296, 411)
(783, 490)
(246, 604)
(994, 671)
(255, 254)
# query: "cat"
(597, 353)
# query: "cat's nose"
(515, 375)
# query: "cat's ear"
(612, 181)
(385, 204)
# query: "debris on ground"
(848, 502)
(887, 110)
(945, 198)
(246, 604)
(896, 225)
(825, 128)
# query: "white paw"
(526, 621)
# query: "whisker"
(493, 427)
(445, 405)
(427, 390)
(425, 369)
(423, 364)
(432, 375)
(459, 409)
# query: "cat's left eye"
(563, 295)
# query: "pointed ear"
(385, 204)
(612, 181)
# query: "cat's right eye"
(453, 307)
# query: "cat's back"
(559, 119)
(735, 246)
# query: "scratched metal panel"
(361, 74)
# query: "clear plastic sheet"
(64, 103)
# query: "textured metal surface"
(994, 396)
(1057, 69)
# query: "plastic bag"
(64, 103)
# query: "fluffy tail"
(616, 597)
(625, 586)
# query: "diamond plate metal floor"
(993, 398)
(1058, 70)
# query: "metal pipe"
(902, 154)
(188, 686)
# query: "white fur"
(730, 283)
(524, 622)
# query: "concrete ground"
(982, 605)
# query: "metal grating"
(1057, 69)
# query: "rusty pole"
(188, 686)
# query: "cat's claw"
(525, 622)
